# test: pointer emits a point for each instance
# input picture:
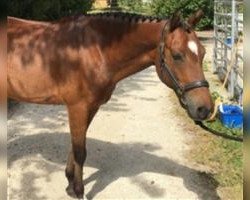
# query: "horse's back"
(13, 21)
(33, 69)
(58, 62)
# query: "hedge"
(47, 9)
(54, 9)
(164, 8)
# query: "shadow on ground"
(114, 161)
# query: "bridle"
(179, 89)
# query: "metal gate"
(228, 52)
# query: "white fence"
(228, 28)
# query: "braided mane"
(126, 16)
(134, 17)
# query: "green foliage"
(136, 6)
(3, 6)
(165, 8)
(47, 9)
(51, 10)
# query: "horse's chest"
(106, 93)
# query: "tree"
(3, 6)
(132, 6)
(113, 3)
(47, 9)
(164, 8)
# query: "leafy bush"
(50, 10)
(133, 6)
(3, 4)
(165, 8)
(47, 9)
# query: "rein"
(179, 89)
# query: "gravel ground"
(136, 148)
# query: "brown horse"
(78, 61)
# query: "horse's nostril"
(203, 112)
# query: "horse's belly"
(32, 87)
(21, 94)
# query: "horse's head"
(180, 66)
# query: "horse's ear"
(175, 21)
(195, 18)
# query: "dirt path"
(136, 148)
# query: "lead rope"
(217, 133)
(219, 101)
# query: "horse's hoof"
(70, 190)
(84, 198)
(79, 190)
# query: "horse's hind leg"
(80, 116)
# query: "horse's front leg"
(80, 116)
(70, 167)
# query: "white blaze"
(193, 47)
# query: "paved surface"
(3, 165)
(136, 148)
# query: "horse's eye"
(177, 57)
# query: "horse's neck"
(134, 47)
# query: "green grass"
(206, 66)
(224, 157)
(218, 126)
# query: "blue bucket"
(228, 41)
(231, 116)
